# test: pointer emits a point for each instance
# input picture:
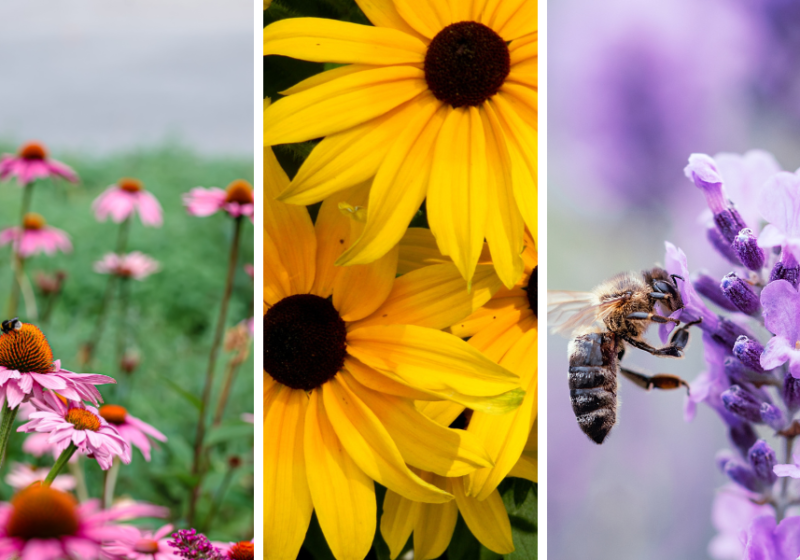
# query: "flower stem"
(230, 375)
(62, 460)
(784, 502)
(110, 483)
(124, 293)
(76, 470)
(220, 494)
(6, 424)
(13, 301)
(212, 360)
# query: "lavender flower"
(749, 353)
(739, 293)
(195, 546)
(779, 204)
(767, 540)
(781, 303)
(747, 250)
(791, 469)
(703, 171)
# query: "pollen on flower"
(129, 184)
(466, 64)
(532, 290)
(113, 413)
(83, 419)
(305, 341)
(32, 220)
(40, 512)
(33, 150)
(242, 551)
(239, 191)
(26, 350)
(146, 546)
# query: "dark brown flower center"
(32, 220)
(532, 290)
(305, 341)
(83, 419)
(130, 185)
(40, 512)
(33, 150)
(26, 350)
(242, 551)
(239, 191)
(146, 546)
(466, 64)
(113, 413)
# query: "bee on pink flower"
(31, 163)
(134, 431)
(134, 265)
(125, 197)
(237, 200)
(35, 236)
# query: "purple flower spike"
(772, 416)
(792, 470)
(740, 402)
(722, 245)
(779, 204)
(743, 436)
(708, 287)
(743, 476)
(749, 353)
(781, 303)
(746, 246)
(195, 546)
(791, 392)
(703, 172)
(764, 540)
(786, 269)
(739, 293)
(762, 459)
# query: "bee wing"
(568, 311)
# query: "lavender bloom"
(708, 287)
(762, 460)
(781, 303)
(792, 469)
(195, 546)
(766, 540)
(749, 353)
(743, 436)
(772, 416)
(779, 204)
(704, 173)
(742, 403)
(747, 250)
(733, 510)
(791, 392)
(722, 245)
(739, 293)
(786, 269)
(743, 476)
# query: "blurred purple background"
(634, 87)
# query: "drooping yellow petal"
(435, 361)
(427, 18)
(349, 157)
(287, 501)
(341, 104)
(496, 338)
(434, 297)
(435, 525)
(399, 186)
(512, 22)
(457, 195)
(487, 519)
(504, 225)
(344, 497)
(382, 13)
(417, 249)
(527, 467)
(328, 40)
(379, 381)
(370, 445)
(289, 230)
(422, 442)
(326, 77)
(496, 310)
(397, 521)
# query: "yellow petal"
(328, 40)
(370, 445)
(399, 186)
(434, 296)
(326, 77)
(441, 412)
(524, 74)
(523, 49)
(289, 230)
(457, 195)
(382, 13)
(344, 497)
(341, 104)
(461, 10)
(427, 18)
(434, 527)
(496, 310)
(439, 362)
(520, 101)
(276, 277)
(348, 158)
(487, 520)
(422, 442)
(287, 501)
(495, 339)
(379, 381)
(512, 22)
(397, 521)
(417, 249)
(527, 467)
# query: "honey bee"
(600, 323)
(11, 325)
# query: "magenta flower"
(79, 424)
(766, 540)
(125, 197)
(190, 544)
(132, 429)
(237, 200)
(32, 163)
(134, 265)
(779, 204)
(35, 236)
(143, 545)
(21, 476)
(781, 303)
(27, 367)
(42, 523)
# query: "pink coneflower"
(134, 265)
(35, 236)
(21, 476)
(237, 200)
(242, 550)
(43, 523)
(79, 424)
(132, 429)
(249, 270)
(32, 163)
(124, 198)
(143, 545)
(27, 367)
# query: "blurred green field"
(171, 321)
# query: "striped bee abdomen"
(593, 368)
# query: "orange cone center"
(241, 551)
(82, 419)
(40, 512)
(26, 350)
(130, 185)
(32, 220)
(33, 150)
(113, 413)
(239, 191)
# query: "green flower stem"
(110, 483)
(62, 460)
(212, 361)
(76, 470)
(218, 496)
(6, 425)
(124, 295)
(230, 374)
(19, 262)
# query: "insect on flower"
(11, 325)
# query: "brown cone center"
(40, 512)
(83, 419)
(113, 413)
(26, 350)
(131, 185)
(33, 151)
(32, 220)
(239, 191)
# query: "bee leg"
(670, 350)
(641, 315)
(660, 381)
(680, 338)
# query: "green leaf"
(463, 545)
(523, 517)
(193, 400)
